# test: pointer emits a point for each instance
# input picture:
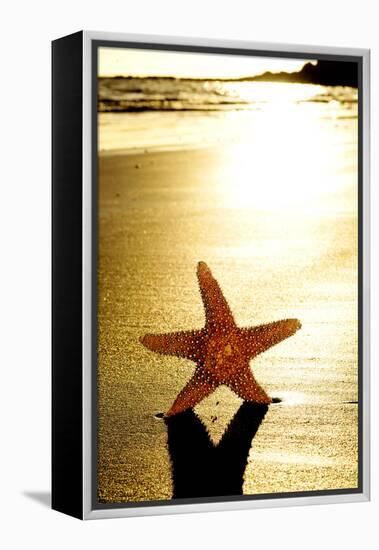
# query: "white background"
(27, 29)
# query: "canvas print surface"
(227, 276)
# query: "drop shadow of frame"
(201, 469)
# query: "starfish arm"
(199, 387)
(217, 311)
(246, 387)
(181, 344)
(258, 339)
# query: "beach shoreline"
(159, 214)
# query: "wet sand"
(159, 214)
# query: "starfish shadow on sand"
(201, 469)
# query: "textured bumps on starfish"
(221, 350)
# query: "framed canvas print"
(210, 275)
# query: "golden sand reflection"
(271, 170)
(286, 458)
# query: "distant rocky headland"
(326, 73)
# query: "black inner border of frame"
(95, 44)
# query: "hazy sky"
(131, 62)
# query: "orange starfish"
(221, 350)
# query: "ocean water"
(140, 113)
(267, 196)
(122, 94)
